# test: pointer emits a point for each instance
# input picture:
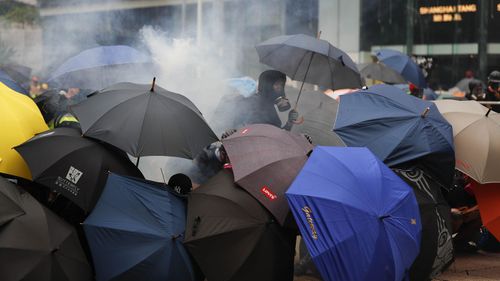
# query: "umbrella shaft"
(303, 81)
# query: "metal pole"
(410, 19)
(483, 38)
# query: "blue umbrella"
(403, 65)
(358, 219)
(103, 66)
(9, 82)
(135, 232)
(398, 128)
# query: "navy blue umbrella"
(103, 66)
(136, 231)
(9, 82)
(403, 65)
(398, 128)
(358, 219)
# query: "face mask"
(282, 103)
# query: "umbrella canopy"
(101, 67)
(397, 128)
(357, 218)
(265, 160)
(76, 167)
(19, 73)
(381, 72)
(403, 65)
(476, 132)
(135, 232)
(232, 237)
(37, 245)
(145, 121)
(6, 80)
(436, 248)
(20, 120)
(488, 197)
(311, 60)
(318, 123)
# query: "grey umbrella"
(378, 71)
(310, 60)
(145, 121)
(36, 244)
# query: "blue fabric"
(245, 86)
(9, 82)
(403, 65)
(130, 232)
(388, 122)
(358, 219)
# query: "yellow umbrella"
(20, 120)
(476, 133)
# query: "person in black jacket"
(493, 90)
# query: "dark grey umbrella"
(144, 121)
(319, 121)
(265, 161)
(310, 60)
(378, 71)
(38, 245)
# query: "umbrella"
(101, 67)
(51, 103)
(6, 80)
(19, 73)
(145, 121)
(233, 238)
(476, 131)
(436, 248)
(135, 232)
(403, 65)
(310, 60)
(397, 128)
(265, 160)
(74, 166)
(37, 245)
(318, 123)
(20, 120)
(381, 72)
(357, 218)
(488, 196)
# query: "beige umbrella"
(476, 132)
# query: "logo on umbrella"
(268, 193)
(74, 175)
(244, 131)
(308, 212)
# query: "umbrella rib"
(139, 143)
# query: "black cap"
(494, 76)
(180, 183)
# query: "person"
(36, 88)
(260, 107)
(180, 184)
(64, 119)
(475, 91)
(493, 90)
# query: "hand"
(227, 133)
(293, 115)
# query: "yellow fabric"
(20, 120)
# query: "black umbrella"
(38, 245)
(145, 121)
(20, 73)
(232, 237)
(76, 167)
(436, 248)
(51, 103)
(311, 60)
(382, 73)
(265, 161)
(318, 123)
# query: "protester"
(180, 184)
(476, 91)
(493, 90)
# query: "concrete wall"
(26, 41)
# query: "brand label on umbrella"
(74, 175)
(268, 193)
(308, 212)
(69, 183)
(244, 131)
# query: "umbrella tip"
(153, 85)
(487, 113)
(425, 112)
(318, 35)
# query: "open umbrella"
(357, 218)
(19, 73)
(488, 197)
(397, 128)
(232, 237)
(135, 232)
(101, 67)
(37, 245)
(9, 82)
(20, 120)
(403, 65)
(476, 131)
(310, 60)
(74, 166)
(145, 121)
(436, 248)
(381, 72)
(265, 160)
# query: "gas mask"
(282, 103)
